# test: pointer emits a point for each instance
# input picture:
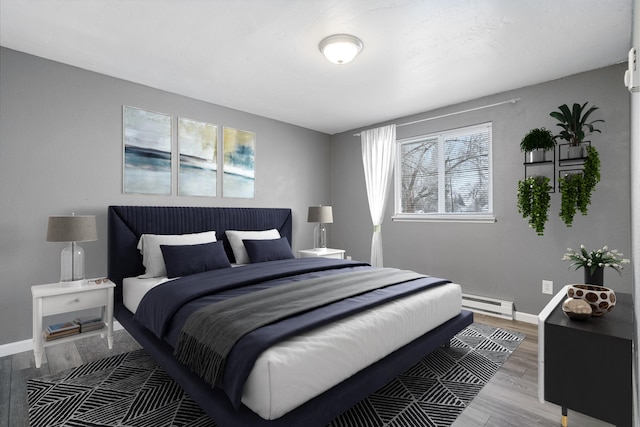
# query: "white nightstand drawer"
(332, 255)
(321, 252)
(71, 302)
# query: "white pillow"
(236, 237)
(149, 246)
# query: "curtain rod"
(510, 101)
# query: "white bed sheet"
(134, 288)
(296, 370)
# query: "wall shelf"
(544, 168)
(563, 154)
(538, 163)
(565, 172)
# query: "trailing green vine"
(524, 198)
(590, 177)
(570, 187)
(534, 201)
(577, 188)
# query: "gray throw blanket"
(211, 332)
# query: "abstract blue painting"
(147, 151)
(198, 148)
(238, 178)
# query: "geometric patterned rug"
(131, 389)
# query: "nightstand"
(55, 299)
(321, 252)
(587, 365)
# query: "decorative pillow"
(268, 250)
(236, 237)
(149, 246)
(192, 259)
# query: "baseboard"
(517, 316)
(526, 317)
(27, 345)
(16, 347)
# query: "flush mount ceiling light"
(340, 48)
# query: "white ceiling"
(262, 56)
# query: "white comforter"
(296, 370)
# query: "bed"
(307, 394)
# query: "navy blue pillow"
(191, 259)
(268, 250)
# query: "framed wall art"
(198, 148)
(238, 179)
(147, 151)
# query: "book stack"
(89, 323)
(61, 330)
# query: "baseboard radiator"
(490, 306)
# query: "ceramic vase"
(602, 300)
(595, 278)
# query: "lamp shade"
(340, 48)
(322, 214)
(72, 228)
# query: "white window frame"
(442, 215)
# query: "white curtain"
(378, 158)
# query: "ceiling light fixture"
(341, 48)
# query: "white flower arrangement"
(599, 258)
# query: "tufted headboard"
(127, 223)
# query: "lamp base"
(72, 263)
(320, 237)
(72, 283)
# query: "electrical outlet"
(547, 287)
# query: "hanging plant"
(590, 177)
(534, 201)
(570, 187)
(577, 188)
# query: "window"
(445, 176)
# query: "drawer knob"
(76, 300)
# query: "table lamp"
(72, 229)
(322, 215)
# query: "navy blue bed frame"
(127, 223)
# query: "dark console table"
(587, 365)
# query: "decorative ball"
(576, 308)
(602, 300)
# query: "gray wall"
(505, 260)
(61, 151)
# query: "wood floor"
(509, 399)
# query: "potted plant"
(534, 201)
(535, 143)
(576, 188)
(601, 299)
(593, 260)
(575, 126)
